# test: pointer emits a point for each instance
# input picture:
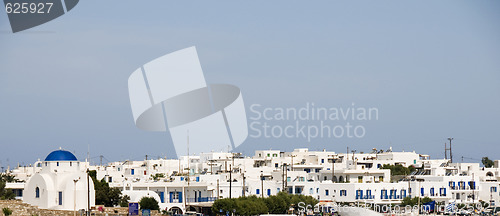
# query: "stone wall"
(22, 209)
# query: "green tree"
(277, 204)
(399, 169)
(224, 205)
(149, 203)
(407, 201)
(253, 205)
(124, 201)
(104, 195)
(487, 162)
(5, 194)
(158, 176)
(7, 178)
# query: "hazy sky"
(431, 68)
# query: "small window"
(37, 192)
(493, 189)
(70, 163)
(257, 191)
(57, 163)
(343, 193)
(381, 178)
(327, 192)
(442, 191)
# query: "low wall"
(23, 209)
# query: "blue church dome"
(60, 155)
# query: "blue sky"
(431, 68)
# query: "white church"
(60, 184)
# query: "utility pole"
(230, 180)
(88, 193)
(211, 169)
(353, 161)
(451, 154)
(244, 185)
(286, 177)
(189, 171)
(218, 195)
(262, 184)
(100, 158)
(445, 151)
(333, 168)
(283, 176)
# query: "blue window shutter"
(180, 197)
(171, 197)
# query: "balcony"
(365, 197)
(202, 199)
(391, 197)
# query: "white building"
(325, 175)
(59, 184)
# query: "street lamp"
(262, 184)
(74, 198)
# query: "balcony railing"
(202, 199)
(391, 197)
(365, 197)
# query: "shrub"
(149, 203)
(6, 211)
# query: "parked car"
(492, 210)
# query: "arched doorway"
(341, 179)
(334, 178)
(176, 210)
(192, 209)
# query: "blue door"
(60, 198)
